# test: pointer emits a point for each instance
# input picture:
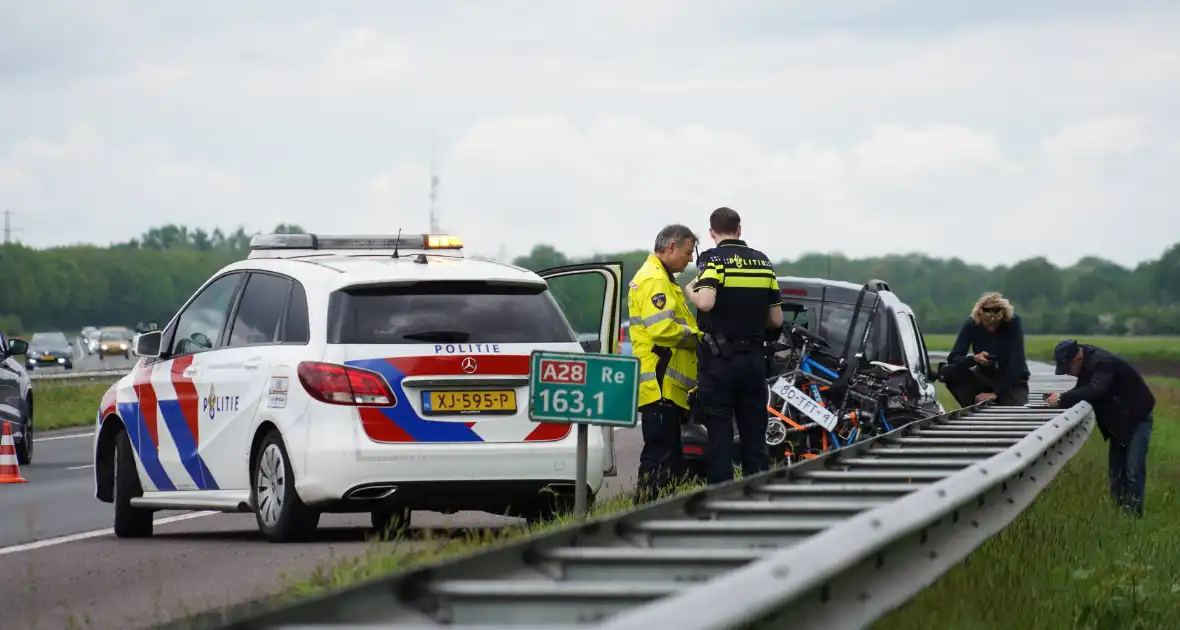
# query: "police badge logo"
(659, 300)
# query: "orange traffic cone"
(9, 467)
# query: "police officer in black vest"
(737, 298)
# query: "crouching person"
(987, 361)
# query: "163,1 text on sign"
(572, 387)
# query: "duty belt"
(720, 345)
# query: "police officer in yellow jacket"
(738, 298)
(663, 335)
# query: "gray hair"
(673, 235)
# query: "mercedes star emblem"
(468, 365)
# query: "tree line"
(149, 277)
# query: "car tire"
(24, 446)
(281, 514)
(390, 521)
(69, 365)
(130, 521)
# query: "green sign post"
(583, 389)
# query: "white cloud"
(896, 153)
(1096, 139)
(852, 126)
(102, 192)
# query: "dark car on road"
(826, 307)
(50, 349)
(16, 397)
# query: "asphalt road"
(61, 567)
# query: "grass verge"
(1135, 349)
(60, 406)
(1071, 560)
(406, 550)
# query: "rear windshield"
(446, 312)
(48, 339)
(834, 322)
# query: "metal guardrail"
(833, 542)
(74, 375)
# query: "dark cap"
(1063, 353)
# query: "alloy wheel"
(270, 483)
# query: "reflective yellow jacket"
(663, 335)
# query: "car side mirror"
(937, 374)
(148, 344)
(592, 346)
(17, 347)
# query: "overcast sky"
(989, 130)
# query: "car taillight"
(343, 385)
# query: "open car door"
(591, 296)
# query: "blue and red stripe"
(148, 451)
(141, 420)
(401, 423)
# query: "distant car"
(16, 397)
(113, 343)
(89, 337)
(50, 349)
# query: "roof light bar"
(318, 242)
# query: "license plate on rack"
(488, 401)
(808, 407)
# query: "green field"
(60, 406)
(1152, 350)
(1071, 560)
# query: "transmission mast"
(8, 226)
(434, 228)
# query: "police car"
(350, 374)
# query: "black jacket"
(1006, 345)
(1119, 395)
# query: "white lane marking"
(60, 540)
(37, 438)
(83, 466)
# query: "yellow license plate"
(48, 357)
(488, 401)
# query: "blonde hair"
(992, 300)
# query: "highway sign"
(583, 388)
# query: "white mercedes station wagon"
(352, 374)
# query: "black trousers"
(661, 462)
(965, 384)
(728, 390)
